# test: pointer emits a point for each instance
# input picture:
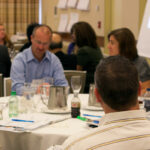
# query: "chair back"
(1, 85)
(70, 73)
(7, 86)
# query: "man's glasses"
(41, 43)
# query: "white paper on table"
(83, 4)
(74, 17)
(62, 4)
(40, 119)
(63, 23)
(72, 3)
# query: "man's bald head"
(56, 42)
(56, 38)
(42, 28)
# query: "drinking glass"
(2, 107)
(28, 91)
(45, 89)
(36, 83)
(92, 98)
(44, 92)
(26, 103)
(76, 84)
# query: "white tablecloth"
(42, 138)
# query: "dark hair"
(127, 42)
(30, 29)
(55, 45)
(117, 81)
(85, 35)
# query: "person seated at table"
(69, 62)
(124, 125)
(89, 54)
(36, 62)
(5, 62)
(122, 42)
(4, 39)
(29, 33)
(71, 48)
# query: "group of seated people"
(117, 78)
(86, 56)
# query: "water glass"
(92, 98)
(76, 84)
(26, 102)
(28, 91)
(2, 107)
(36, 83)
(45, 92)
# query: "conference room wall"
(93, 15)
(112, 14)
(125, 13)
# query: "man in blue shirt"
(37, 62)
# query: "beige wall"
(112, 13)
(125, 13)
(92, 16)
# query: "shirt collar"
(31, 57)
(123, 116)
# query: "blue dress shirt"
(26, 67)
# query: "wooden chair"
(70, 73)
(7, 86)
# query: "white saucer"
(93, 108)
(58, 111)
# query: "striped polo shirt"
(117, 131)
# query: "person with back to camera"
(124, 126)
(29, 33)
(4, 39)
(122, 42)
(69, 62)
(37, 62)
(89, 53)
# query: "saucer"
(93, 108)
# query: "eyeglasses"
(41, 43)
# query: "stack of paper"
(29, 122)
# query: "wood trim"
(142, 5)
(109, 4)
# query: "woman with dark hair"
(89, 53)
(122, 42)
